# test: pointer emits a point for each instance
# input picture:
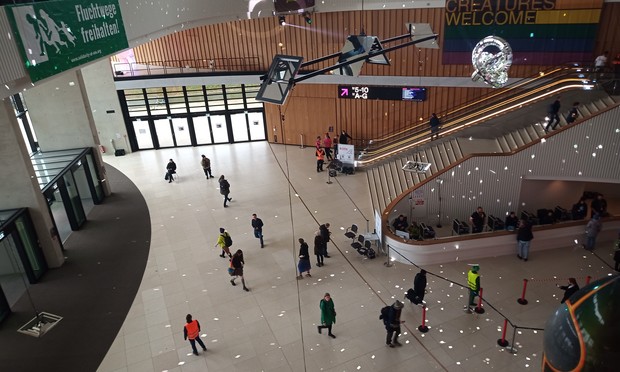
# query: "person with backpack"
(206, 166)
(328, 314)
(391, 319)
(224, 189)
(236, 264)
(191, 330)
(225, 242)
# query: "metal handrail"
(526, 91)
(186, 66)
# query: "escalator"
(493, 108)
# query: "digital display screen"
(416, 94)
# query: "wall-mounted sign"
(56, 36)
(380, 92)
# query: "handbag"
(166, 176)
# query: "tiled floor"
(273, 327)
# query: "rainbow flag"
(540, 32)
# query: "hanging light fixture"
(307, 17)
(282, 20)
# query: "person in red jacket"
(192, 331)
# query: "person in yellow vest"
(320, 159)
(192, 331)
(473, 282)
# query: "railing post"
(302, 143)
(522, 300)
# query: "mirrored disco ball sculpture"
(491, 57)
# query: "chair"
(351, 233)
(427, 231)
(359, 243)
(495, 223)
(459, 227)
(365, 249)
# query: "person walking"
(325, 234)
(318, 248)
(191, 331)
(206, 166)
(573, 113)
(419, 286)
(392, 324)
(236, 263)
(478, 219)
(524, 237)
(569, 289)
(224, 189)
(327, 145)
(320, 159)
(473, 283)
(435, 124)
(171, 169)
(592, 229)
(224, 241)
(304, 260)
(328, 314)
(257, 225)
(553, 114)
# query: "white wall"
(494, 182)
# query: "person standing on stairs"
(553, 115)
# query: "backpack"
(385, 311)
(227, 239)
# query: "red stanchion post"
(588, 278)
(479, 309)
(423, 328)
(502, 341)
(522, 300)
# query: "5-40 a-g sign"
(58, 35)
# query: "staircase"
(387, 180)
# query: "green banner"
(58, 35)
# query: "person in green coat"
(328, 314)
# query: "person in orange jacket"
(192, 331)
(320, 159)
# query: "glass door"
(202, 130)
(257, 126)
(31, 253)
(73, 203)
(83, 187)
(13, 279)
(94, 179)
(143, 134)
(219, 128)
(164, 132)
(181, 132)
(58, 212)
(239, 123)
